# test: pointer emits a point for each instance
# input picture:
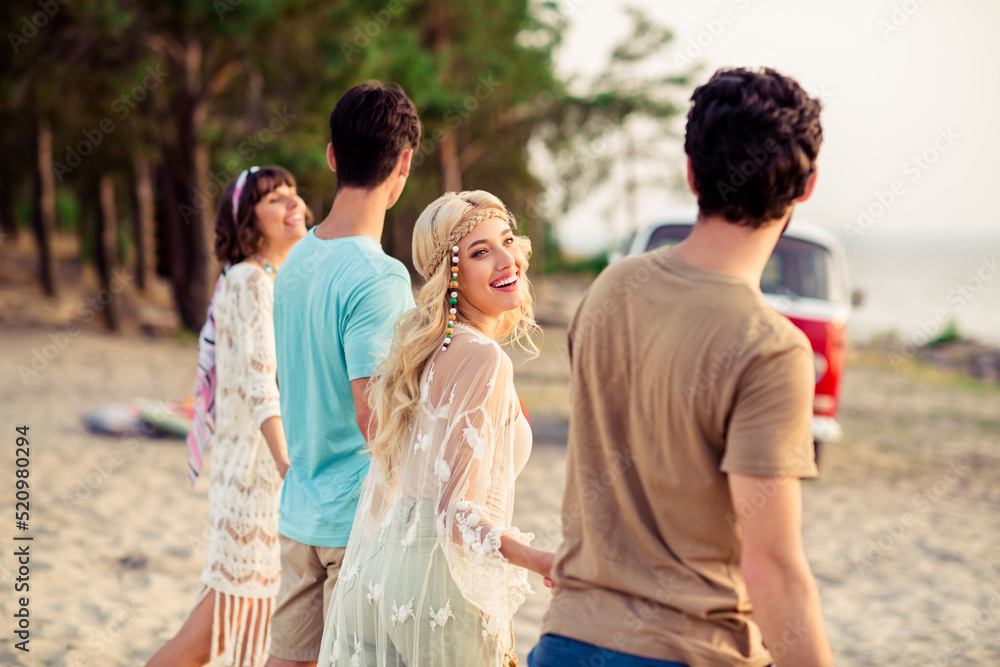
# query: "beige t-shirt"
(679, 376)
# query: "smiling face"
(280, 215)
(491, 271)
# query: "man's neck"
(355, 212)
(719, 245)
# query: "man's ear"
(404, 162)
(330, 159)
(810, 185)
(690, 178)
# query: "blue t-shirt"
(335, 305)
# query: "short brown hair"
(370, 126)
(753, 137)
(236, 236)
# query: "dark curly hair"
(237, 237)
(752, 137)
(370, 126)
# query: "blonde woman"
(434, 571)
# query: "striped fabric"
(203, 426)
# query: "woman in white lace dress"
(434, 570)
(259, 219)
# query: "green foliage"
(949, 334)
(67, 210)
(590, 266)
(480, 73)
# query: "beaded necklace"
(268, 267)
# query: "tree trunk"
(8, 183)
(187, 240)
(8, 216)
(45, 206)
(144, 224)
(398, 237)
(184, 186)
(448, 160)
(105, 251)
(451, 171)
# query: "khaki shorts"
(308, 575)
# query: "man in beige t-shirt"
(692, 400)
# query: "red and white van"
(806, 280)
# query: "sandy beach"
(902, 528)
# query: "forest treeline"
(122, 121)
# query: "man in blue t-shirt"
(336, 300)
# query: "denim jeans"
(557, 651)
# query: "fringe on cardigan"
(240, 630)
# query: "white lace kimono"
(423, 582)
(243, 560)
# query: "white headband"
(241, 180)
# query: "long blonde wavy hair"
(394, 392)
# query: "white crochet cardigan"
(243, 555)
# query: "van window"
(797, 268)
(668, 235)
(802, 268)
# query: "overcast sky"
(923, 81)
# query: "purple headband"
(241, 180)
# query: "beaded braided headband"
(471, 219)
